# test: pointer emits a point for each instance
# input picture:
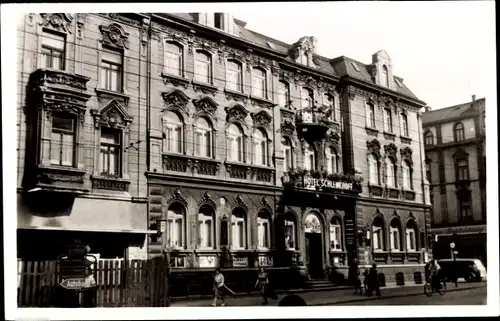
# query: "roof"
(452, 112)
(341, 66)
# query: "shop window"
(111, 70)
(206, 228)
(234, 143)
(53, 50)
(260, 148)
(173, 132)
(176, 226)
(62, 144)
(264, 230)
(259, 83)
(335, 235)
(234, 76)
(238, 230)
(174, 59)
(391, 172)
(373, 169)
(203, 138)
(110, 152)
(203, 67)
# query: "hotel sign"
(319, 183)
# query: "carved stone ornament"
(287, 127)
(114, 35)
(176, 197)
(58, 21)
(238, 201)
(373, 147)
(406, 154)
(236, 113)
(205, 88)
(262, 118)
(275, 68)
(176, 99)
(206, 199)
(80, 24)
(391, 150)
(113, 115)
(332, 136)
(205, 105)
(146, 22)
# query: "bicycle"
(429, 288)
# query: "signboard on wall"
(265, 260)
(319, 183)
(240, 261)
(207, 261)
(350, 231)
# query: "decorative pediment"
(207, 200)
(406, 154)
(176, 99)
(58, 21)
(460, 154)
(113, 115)
(373, 147)
(287, 127)
(391, 150)
(261, 119)
(237, 113)
(205, 106)
(114, 35)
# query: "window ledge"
(263, 250)
(64, 174)
(205, 88)
(261, 101)
(389, 134)
(174, 80)
(235, 95)
(104, 93)
(405, 138)
(337, 251)
(110, 183)
(371, 131)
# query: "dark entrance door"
(314, 248)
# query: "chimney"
(473, 98)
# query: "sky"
(444, 51)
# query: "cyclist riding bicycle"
(434, 270)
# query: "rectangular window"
(288, 159)
(263, 233)
(238, 233)
(377, 238)
(175, 231)
(410, 240)
(202, 143)
(111, 71)
(219, 20)
(53, 48)
(371, 116)
(289, 234)
(206, 231)
(387, 120)
(110, 152)
(174, 60)
(173, 138)
(395, 239)
(405, 125)
(203, 67)
(62, 145)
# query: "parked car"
(472, 270)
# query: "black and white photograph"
(327, 156)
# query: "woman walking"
(219, 288)
(262, 282)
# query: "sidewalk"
(337, 296)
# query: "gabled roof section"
(451, 112)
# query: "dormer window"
(385, 76)
(219, 20)
(305, 58)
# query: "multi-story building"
(249, 151)
(456, 169)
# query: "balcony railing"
(313, 122)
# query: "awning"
(51, 228)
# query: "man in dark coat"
(373, 283)
(354, 276)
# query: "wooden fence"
(135, 283)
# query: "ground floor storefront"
(469, 242)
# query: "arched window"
(283, 94)
(234, 76)
(203, 67)
(391, 172)
(331, 160)
(407, 184)
(328, 102)
(307, 97)
(238, 229)
(203, 138)
(206, 227)
(305, 58)
(235, 143)
(385, 73)
(371, 116)
(309, 159)
(462, 170)
(378, 234)
(404, 125)
(387, 120)
(260, 148)
(173, 133)
(395, 235)
(287, 153)
(373, 169)
(290, 231)
(259, 83)
(174, 59)
(176, 226)
(459, 132)
(335, 234)
(264, 230)
(411, 236)
(429, 138)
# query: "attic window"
(218, 20)
(270, 45)
(355, 66)
(398, 82)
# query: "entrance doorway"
(314, 246)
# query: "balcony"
(60, 179)
(190, 165)
(322, 181)
(313, 123)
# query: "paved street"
(411, 294)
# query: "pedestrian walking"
(366, 280)
(354, 274)
(264, 286)
(373, 281)
(89, 288)
(219, 288)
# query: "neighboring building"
(250, 151)
(456, 169)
